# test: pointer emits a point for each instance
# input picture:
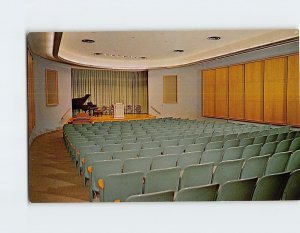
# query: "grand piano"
(78, 104)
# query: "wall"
(49, 118)
(188, 85)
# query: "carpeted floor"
(52, 174)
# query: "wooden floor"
(127, 117)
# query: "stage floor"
(128, 117)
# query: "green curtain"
(109, 87)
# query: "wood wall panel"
(30, 93)
(170, 89)
(222, 92)
(236, 92)
(254, 96)
(275, 90)
(208, 92)
(293, 96)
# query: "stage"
(127, 117)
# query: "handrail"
(65, 114)
(155, 110)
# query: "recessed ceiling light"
(97, 53)
(178, 51)
(214, 38)
(88, 41)
(143, 57)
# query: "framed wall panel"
(254, 91)
(30, 93)
(208, 92)
(170, 89)
(221, 108)
(236, 92)
(51, 86)
(275, 90)
(293, 96)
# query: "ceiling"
(136, 50)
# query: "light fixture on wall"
(214, 38)
(90, 41)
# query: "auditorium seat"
(125, 154)
(268, 148)
(196, 175)
(164, 161)
(132, 146)
(271, 138)
(233, 153)
(277, 162)
(198, 193)
(295, 145)
(112, 147)
(214, 145)
(152, 197)
(150, 152)
(283, 145)
(188, 158)
(137, 164)
(294, 162)
(227, 170)
(251, 151)
(118, 187)
(99, 171)
(246, 141)
(270, 187)
(231, 143)
(255, 167)
(292, 189)
(237, 190)
(203, 140)
(152, 144)
(214, 156)
(173, 150)
(195, 147)
(162, 180)
(260, 139)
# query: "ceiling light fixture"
(98, 53)
(214, 38)
(88, 41)
(178, 50)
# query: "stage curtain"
(108, 87)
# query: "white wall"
(49, 118)
(187, 92)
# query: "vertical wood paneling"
(293, 96)
(30, 93)
(170, 89)
(236, 92)
(275, 90)
(208, 92)
(222, 92)
(254, 84)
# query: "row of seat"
(194, 175)
(272, 187)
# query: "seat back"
(231, 143)
(251, 151)
(119, 187)
(196, 175)
(295, 145)
(283, 145)
(91, 158)
(137, 164)
(195, 147)
(246, 141)
(271, 138)
(214, 145)
(270, 187)
(152, 197)
(227, 170)
(237, 190)
(233, 153)
(162, 180)
(255, 167)
(132, 146)
(268, 148)
(150, 152)
(281, 137)
(277, 162)
(203, 140)
(214, 156)
(198, 193)
(112, 147)
(260, 140)
(186, 141)
(292, 188)
(173, 150)
(166, 143)
(294, 161)
(164, 161)
(217, 138)
(125, 154)
(189, 158)
(153, 144)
